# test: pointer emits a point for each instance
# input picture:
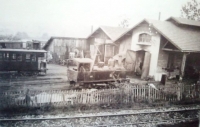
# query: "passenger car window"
(28, 57)
(1, 56)
(6, 56)
(13, 57)
(33, 57)
(19, 57)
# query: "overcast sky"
(75, 17)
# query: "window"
(6, 56)
(144, 37)
(13, 57)
(1, 56)
(19, 57)
(28, 57)
(33, 57)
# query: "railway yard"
(137, 115)
(54, 79)
(83, 64)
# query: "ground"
(56, 78)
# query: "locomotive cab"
(77, 68)
(81, 71)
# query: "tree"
(191, 10)
(124, 23)
(8, 38)
(22, 35)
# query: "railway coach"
(23, 61)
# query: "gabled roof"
(184, 21)
(111, 32)
(52, 38)
(186, 39)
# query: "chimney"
(91, 29)
(159, 16)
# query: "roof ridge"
(184, 21)
(113, 26)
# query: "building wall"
(97, 38)
(153, 48)
(162, 59)
(58, 47)
(131, 42)
(178, 60)
(126, 44)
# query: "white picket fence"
(125, 94)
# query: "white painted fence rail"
(126, 94)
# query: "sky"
(74, 18)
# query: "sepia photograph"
(99, 63)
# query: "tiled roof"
(112, 32)
(184, 38)
(185, 21)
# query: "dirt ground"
(56, 78)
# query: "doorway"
(139, 62)
(142, 63)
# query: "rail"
(150, 116)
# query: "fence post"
(149, 92)
(179, 91)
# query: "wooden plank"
(146, 65)
(137, 93)
(167, 49)
(149, 92)
(183, 64)
(130, 60)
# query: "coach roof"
(22, 50)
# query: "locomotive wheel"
(72, 83)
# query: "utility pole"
(91, 29)
(159, 15)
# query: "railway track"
(128, 118)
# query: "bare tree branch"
(124, 23)
(191, 10)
